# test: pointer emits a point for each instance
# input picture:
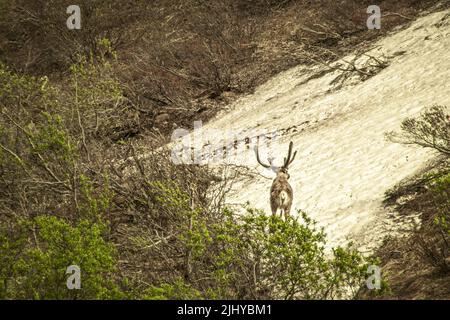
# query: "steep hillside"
(95, 119)
(344, 163)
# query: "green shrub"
(440, 190)
(12, 243)
(179, 290)
(225, 255)
(39, 268)
(265, 257)
(222, 256)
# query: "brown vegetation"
(182, 60)
(78, 108)
(417, 265)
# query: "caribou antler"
(288, 160)
(259, 160)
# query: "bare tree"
(430, 130)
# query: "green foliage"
(12, 243)
(14, 86)
(32, 136)
(194, 230)
(94, 205)
(46, 171)
(35, 253)
(52, 137)
(179, 290)
(249, 255)
(171, 198)
(102, 92)
(23, 90)
(39, 268)
(245, 256)
(284, 260)
(440, 190)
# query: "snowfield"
(344, 163)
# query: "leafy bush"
(250, 255)
(256, 256)
(179, 290)
(43, 172)
(246, 256)
(45, 248)
(440, 190)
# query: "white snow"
(344, 163)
